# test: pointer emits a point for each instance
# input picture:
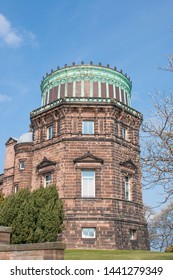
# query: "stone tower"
(86, 141)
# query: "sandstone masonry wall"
(37, 251)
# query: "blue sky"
(37, 36)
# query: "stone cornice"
(86, 101)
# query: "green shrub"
(1, 197)
(34, 216)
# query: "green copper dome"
(86, 81)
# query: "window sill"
(88, 197)
(88, 238)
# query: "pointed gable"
(11, 140)
(88, 157)
(129, 165)
(46, 165)
(88, 161)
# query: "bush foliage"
(169, 249)
(1, 197)
(34, 216)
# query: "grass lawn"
(116, 255)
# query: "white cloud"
(13, 37)
(30, 38)
(8, 34)
(4, 98)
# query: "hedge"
(34, 216)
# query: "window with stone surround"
(128, 170)
(16, 189)
(88, 127)
(124, 132)
(21, 165)
(88, 183)
(47, 180)
(127, 188)
(88, 232)
(33, 135)
(133, 234)
(50, 132)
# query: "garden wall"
(35, 251)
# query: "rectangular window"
(132, 234)
(88, 127)
(47, 180)
(33, 135)
(50, 132)
(127, 188)
(16, 188)
(88, 183)
(124, 133)
(88, 232)
(21, 165)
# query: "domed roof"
(25, 138)
(86, 81)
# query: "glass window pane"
(47, 180)
(22, 165)
(88, 173)
(91, 232)
(91, 189)
(132, 234)
(127, 188)
(85, 187)
(50, 132)
(88, 232)
(88, 183)
(88, 127)
(85, 232)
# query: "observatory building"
(85, 139)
